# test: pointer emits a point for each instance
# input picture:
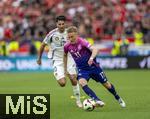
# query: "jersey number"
(77, 54)
(103, 75)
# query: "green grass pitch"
(132, 85)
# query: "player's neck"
(60, 31)
(74, 42)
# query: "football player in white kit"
(56, 39)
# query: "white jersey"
(56, 41)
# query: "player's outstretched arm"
(65, 62)
(93, 55)
(40, 53)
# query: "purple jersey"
(80, 52)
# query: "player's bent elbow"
(94, 48)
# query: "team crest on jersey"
(79, 47)
(56, 38)
(71, 51)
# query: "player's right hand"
(38, 61)
(90, 62)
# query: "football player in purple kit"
(84, 56)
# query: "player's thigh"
(99, 76)
(83, 77)
(71, 67)
(73, 79)
(58, 70)
(83, 74)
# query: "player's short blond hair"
(72, 29)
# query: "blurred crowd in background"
(24, 23)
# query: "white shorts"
(58, 66)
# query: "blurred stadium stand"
(116, 27)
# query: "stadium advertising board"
(140, 62)
(29, 63)
(24, 64)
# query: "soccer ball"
(88, 104)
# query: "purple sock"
(90, 93)
(113, 91)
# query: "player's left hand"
(90, 62)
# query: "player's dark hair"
(72, 29)
(60, 18)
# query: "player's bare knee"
(82, 82)
(74, 82)
(107, 85)
(62, 82)
(73, 79)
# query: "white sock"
(76, 91)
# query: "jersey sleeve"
(85, 43)
(48, 38)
